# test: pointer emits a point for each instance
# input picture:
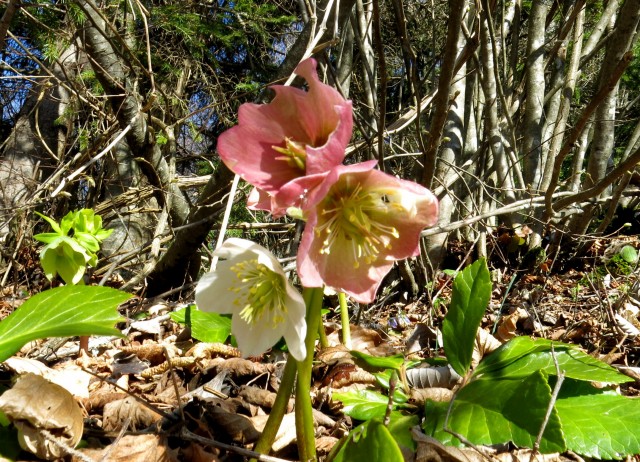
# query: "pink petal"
(319, 120)
(355, 261)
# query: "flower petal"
(298, 133)
(250, 283)
(359, 222)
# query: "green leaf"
(66, 257)
(597, 423)
(378, 362)
(499, 411)
(47, 238)
(400, 428)
(629, 254)
(383, 379)
(88, 241)
(54, 225)
(469, 299)
(523, 355)
(363, 404)
(369, 442)
(62, 312)
(9, 446)
(205, 326)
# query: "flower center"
(293, 153)
(355, 219)
(261, 293)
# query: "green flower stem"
(324, 341)
(344, 318)
(268, 436)
(304, 411)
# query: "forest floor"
(209, 404)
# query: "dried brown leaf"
(430, 449)
(97, 400)
(240, 428)
(196, 453)
(72, 378)
(116, 413)
(134, 448)
(240, 367)
(286, 432)
(526, 455)
(34, 404)
(419, 396)
(261, 397)
(507, 328)
(325, 444)
(484, 345)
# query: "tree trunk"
(110, 68)
(535, 84)
(604, 117)
(36, 142)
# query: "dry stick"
(510, 208)
(175, 383)
(142, 401)
(382, 71)
(94, 159)
(441, 103)
(445, 427)
(314, 39)
(577, 130)
(596, 189)
(552, 402)
(187, 435)
(65, 447)
(225, 219)
(409, 55)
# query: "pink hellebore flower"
(360, 221)
(299, 133)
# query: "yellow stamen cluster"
(294, 154)
(355, 217)
(261, 291)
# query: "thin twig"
(552, 403)
(187, 435)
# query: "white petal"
(253, 340)
(235, 247)
(296, 330)
(213, 294)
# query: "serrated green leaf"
(370, 442)
(205, 326)
(597, 423)
(499, 411)
(378, 362)
(522, 355)
(469, 300)
(62, 312)
(363, 404)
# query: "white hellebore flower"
(250, 284)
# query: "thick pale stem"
(279, 408)
(344, 318)
(304, 412)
